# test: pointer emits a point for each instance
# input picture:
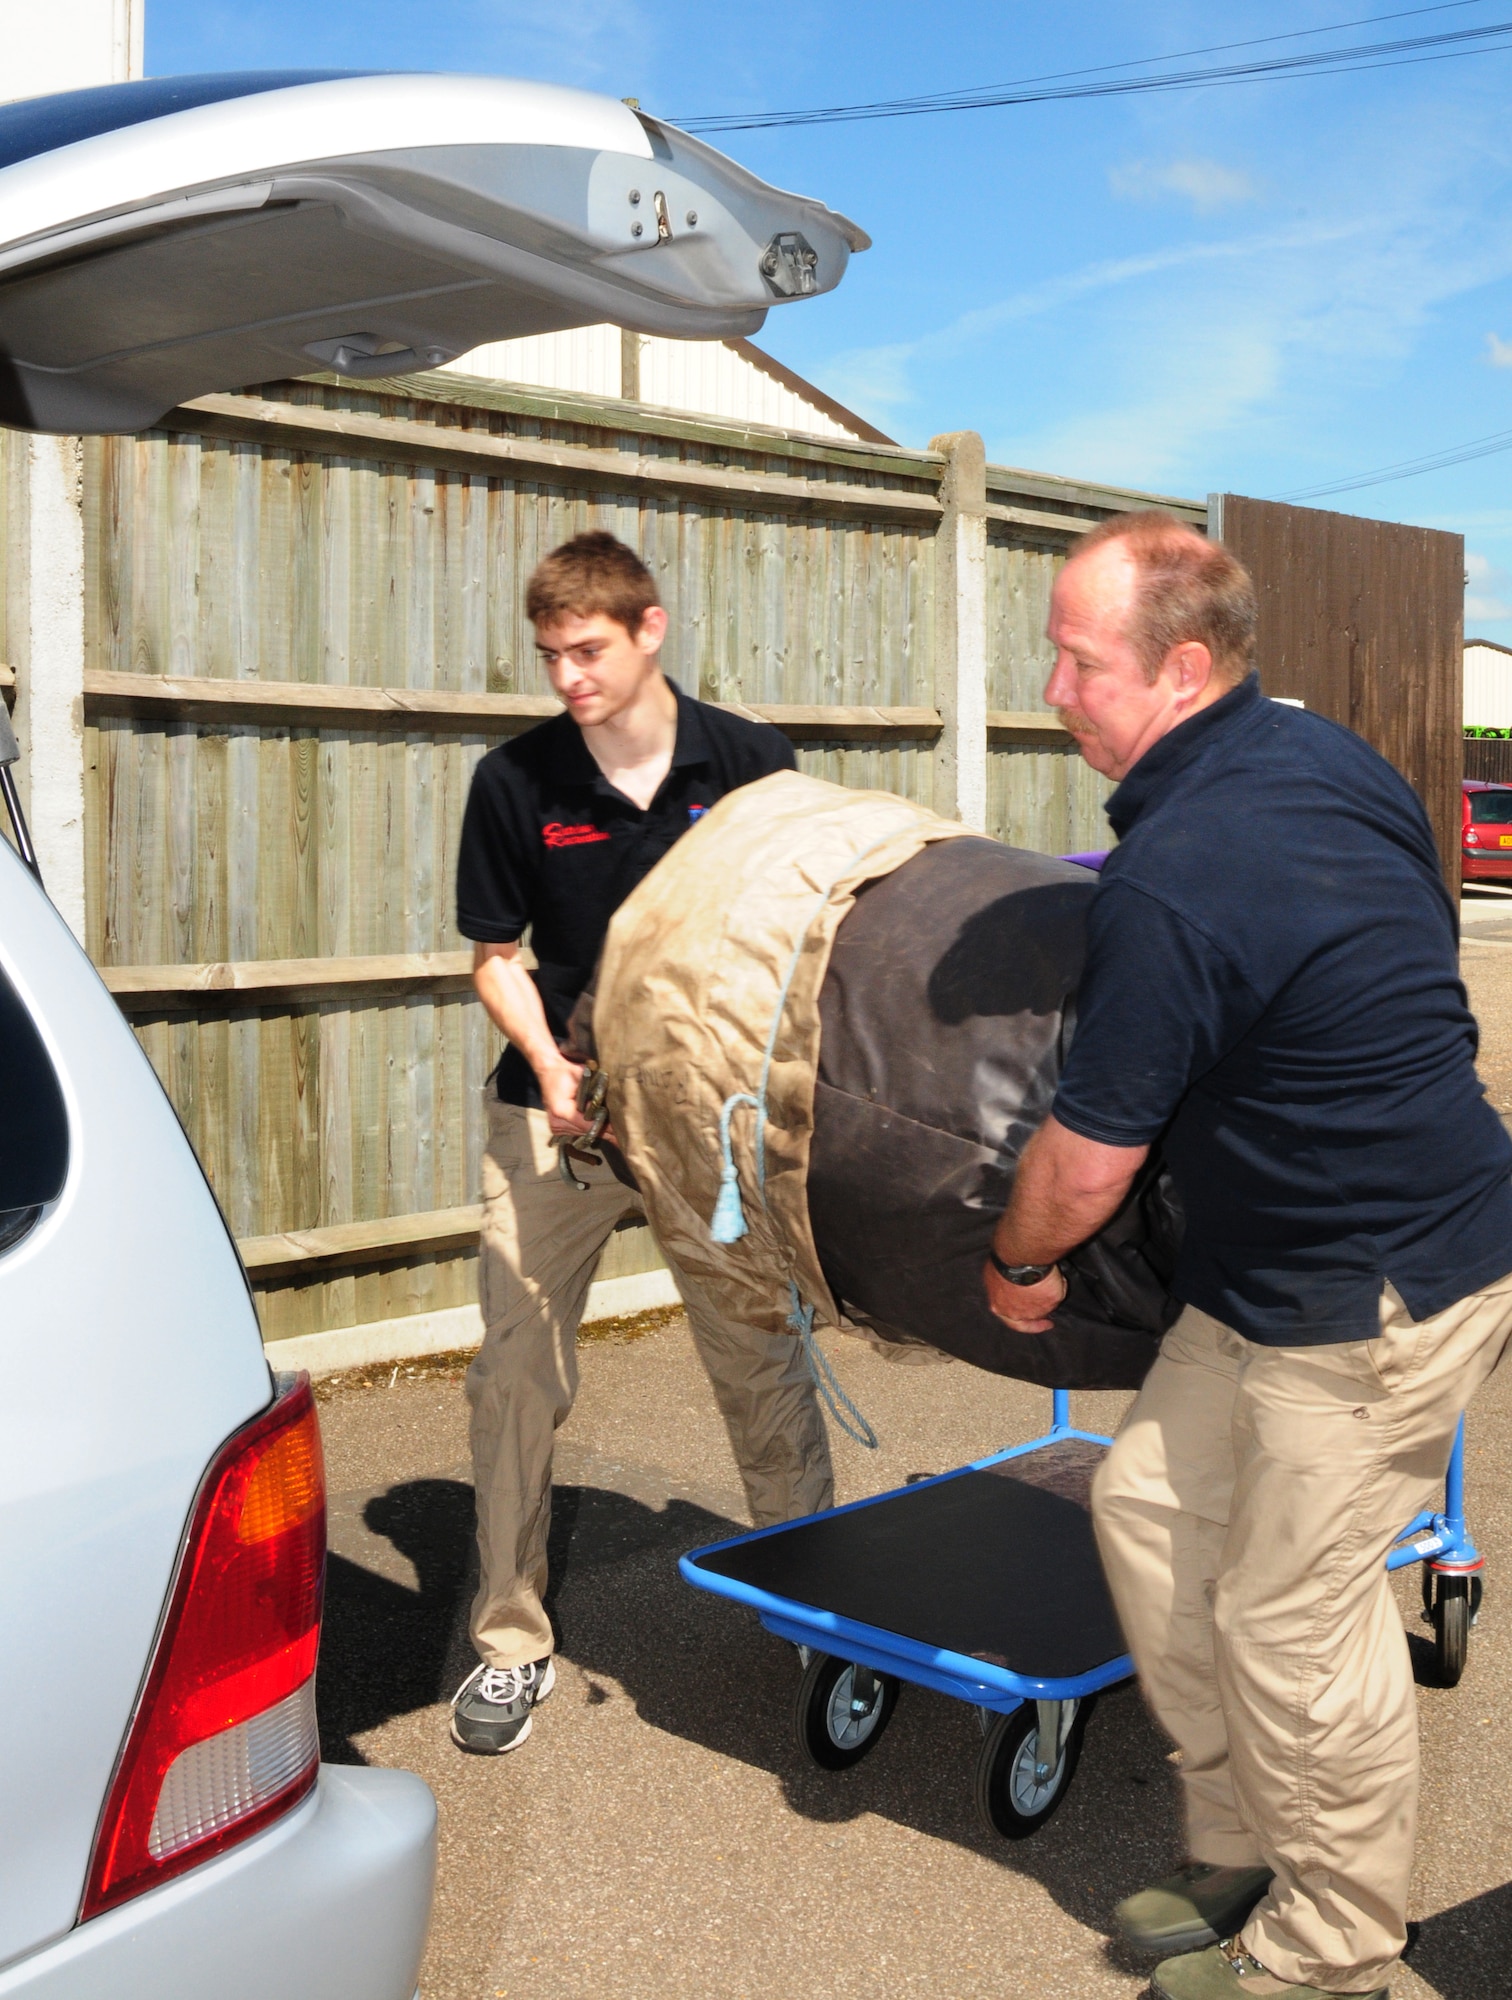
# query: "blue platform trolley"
(984, 1584)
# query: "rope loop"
(826, 1381)
(728, 1223)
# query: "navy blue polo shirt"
(1272, 991)
(549, 845)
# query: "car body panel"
(373, 225)
(130, 1349)
(330, 1903)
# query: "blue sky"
(1253, 289)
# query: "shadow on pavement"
(1464, 1952)
(385, 1647)
(705, 1671)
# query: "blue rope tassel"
(729, 1223)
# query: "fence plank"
(425, 446)
(202, 701)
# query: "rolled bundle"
(831, 1022)
(945, 1013)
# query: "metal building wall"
(708, 378)
(1488, 685)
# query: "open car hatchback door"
(164, 239)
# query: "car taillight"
(1472, 838)
(224, 1739)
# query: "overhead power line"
(1407, 468)
(1443, 46)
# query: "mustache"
(1073, 720)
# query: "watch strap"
(1019, 1274)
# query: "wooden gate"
(1364, 621)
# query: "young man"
(561, 825)
(1284, 1014)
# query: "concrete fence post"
(50, 671)
(66, 45)
(960, 666)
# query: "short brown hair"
(592, 575)
(1187, 588)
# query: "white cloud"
(1498, 352)
(1244, 336)
(883, 374)
(871, 378)
(1485, 585)
(1204, 183)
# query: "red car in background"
(1486, 843)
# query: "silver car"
(166, 1826)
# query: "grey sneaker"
(491, 1709)
(1198, 1905)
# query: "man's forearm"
(513, 1004)
(1066, 1188)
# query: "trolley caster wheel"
(1477, 1592)
(1015, 1791)
(1450, 1603)
(842, 1711)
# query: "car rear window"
(33, 1121)
(1491, 808)
(42, 124)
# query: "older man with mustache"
(1272, 993)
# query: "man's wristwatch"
(1019, 1274)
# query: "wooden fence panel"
(270, 885)
(1489, 758)
(222, 558)
(1364, 621)
(1040, 792)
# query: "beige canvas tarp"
(708, 992)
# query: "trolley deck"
(984, 1584)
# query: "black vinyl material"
(999, 1565)
(945, 1014)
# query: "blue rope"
(728, 1223)
(826, 1381)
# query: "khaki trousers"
(1244, 1515)
(539, 1249)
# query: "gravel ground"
(661, 1835)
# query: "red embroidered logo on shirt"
(557, 835)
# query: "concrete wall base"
(452, 1331)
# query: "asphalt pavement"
(662, 1835)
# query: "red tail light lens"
(223, 1739)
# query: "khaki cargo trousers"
(1244, 1515)
(539, 1249)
